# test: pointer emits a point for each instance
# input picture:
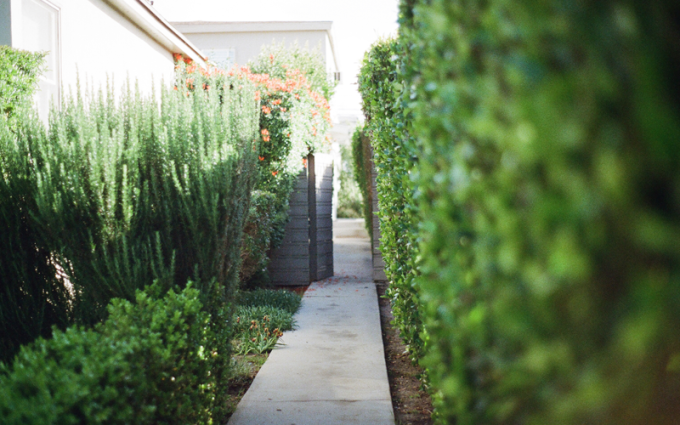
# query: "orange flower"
(274, 173)
(266, 110)
(261, 158)
(265, 138)
(264, 132)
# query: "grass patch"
(284, 300)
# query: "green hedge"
(393, 153)
(550, 208)
(19, 73)
(159, 360)
(361, 156)
(116, 194)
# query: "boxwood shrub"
(161, 359)
(550, 208)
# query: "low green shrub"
(550, 205)
(158, 360)
(394, 156)
(284, 300)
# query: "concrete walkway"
(331, 369)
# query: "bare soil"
(412, 405)
(239, 383)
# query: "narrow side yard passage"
(331, 370)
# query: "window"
(40, 32)
(224, 58)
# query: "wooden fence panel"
(323, 166)
(306, 253)
(289, 263)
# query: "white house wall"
(98, 42)
(247, 45)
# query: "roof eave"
(148, 20)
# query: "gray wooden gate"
(306, 253)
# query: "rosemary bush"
(120, 193)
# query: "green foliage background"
(549, 205)
(361, 157)
(350, 200)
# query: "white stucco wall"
(96, 41)
(244, 40)
(247, 45)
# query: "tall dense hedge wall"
(548, 141)
(393, 154)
